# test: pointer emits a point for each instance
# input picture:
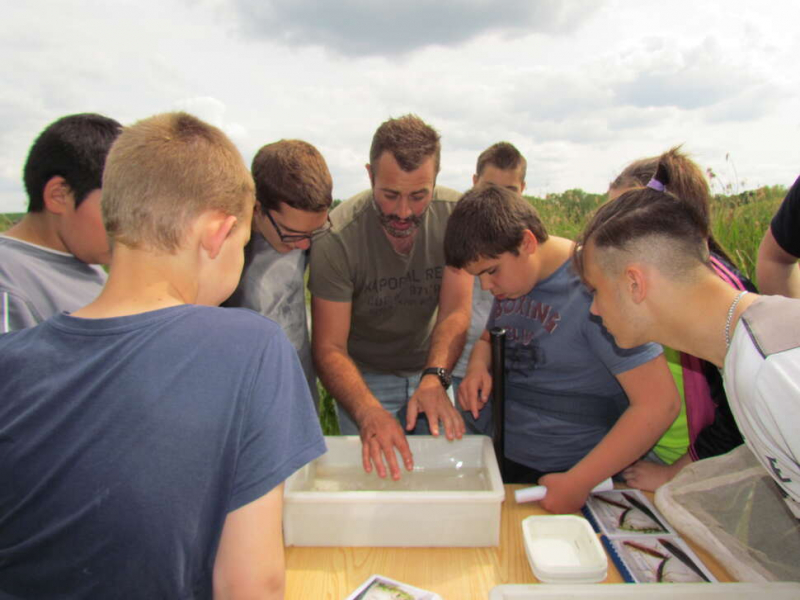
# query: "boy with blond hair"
(578, 408)
(149, 462)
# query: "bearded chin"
(399, 233)
(387, 222)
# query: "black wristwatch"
(442, 374)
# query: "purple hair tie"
(656, 185)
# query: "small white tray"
(651, 591)
(563, 549)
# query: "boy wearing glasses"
(293, 193)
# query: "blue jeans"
(393, 392)
(483, 424)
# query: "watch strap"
(440, 372)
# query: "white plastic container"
(654, 591)
(452, 498)
(564, 549)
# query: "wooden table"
(453, 573)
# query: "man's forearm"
(447, 341)
(341, 377)
(779, 278)
(481, 356)
(776, 269)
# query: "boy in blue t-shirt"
(578, 408)
(146, 436)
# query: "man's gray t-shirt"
(37, 283)
(562, 395)
(273, 285)
(394, 297)
(482, 301)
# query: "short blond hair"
(163, 172)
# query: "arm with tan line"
(654, 405)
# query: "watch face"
(442, 374)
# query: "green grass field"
(8, 219)
(738, 221)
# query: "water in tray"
(352, 478)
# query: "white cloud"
(580, 88)
(212, 110)
(365, 27)
(750, 104)
(664, 74)
(550, 94)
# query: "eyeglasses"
(293, 238)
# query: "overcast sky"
(581, 87)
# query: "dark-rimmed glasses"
(293, 238)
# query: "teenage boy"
(578, 409)
(501, 164)
(48, 260)
(147, 435)
(389, 319)
(645, 256)
(293, 195)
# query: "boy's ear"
(57, 195)
(474, 180)
(529, 242)
(215, 232)
(521, 187)
(369, 174)
(636, 283)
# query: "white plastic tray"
(563, 549)
(334, 514)
(649, 591)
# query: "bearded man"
(389, 319)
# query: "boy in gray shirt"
(48, 260)
(294, 191)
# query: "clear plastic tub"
(563, 549)
(452, 498)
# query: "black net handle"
(498, 341)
